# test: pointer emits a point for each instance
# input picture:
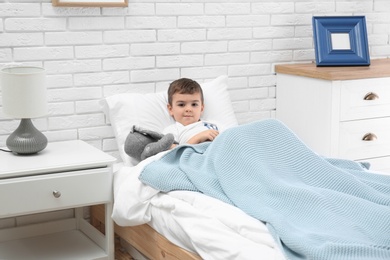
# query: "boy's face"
(186, 108)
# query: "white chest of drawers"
(65, 175)
(341, 112)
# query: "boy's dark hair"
(184, 86)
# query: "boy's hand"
(207, 135)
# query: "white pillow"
(150, 111)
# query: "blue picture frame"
(340, 41)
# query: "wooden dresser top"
(378, 68)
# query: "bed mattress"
(191, 220)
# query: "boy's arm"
(207, 135)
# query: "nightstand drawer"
(54, 191)
(361, 99)
(376, 135)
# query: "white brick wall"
(90, 53)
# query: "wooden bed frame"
(144, 238)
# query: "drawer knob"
(371, 96)
(56, 194)
(369, 137)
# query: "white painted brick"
(181, 35)
(262, 104)
(49, 10)
(204, 72)
(1, 26)
(354, 6)
(381, 6)
(201, 21)
(102, 51)
(240, 106)
(247, 20)
(262, 81)
(154, 75)
(75, 121)
(138, 9)
(155, 49)
(72, 66)
(295, 43)
(129, 63)
(109, 144)
(381, 51)
(19, 9)
(248, 94)
(35, 24)
(61, 108)
(271, 32)
(303, 55)
(43, 53)
(381, 29)
(291, 19)
(304, 31)
(21, 39)
(179, 8)
(237, 82)
(244, 118)
(179, 61)
(95, 133)
(315, 7)
(5, 55)
(129, 36)
(273, 7)
(227, 8)
(101, 78)
(226, 58)
(249, 70)
(128, 88)
(87, 106)
(271, 56)
(56, 81)
(150, 22)
(69, 94)
(204, 47)
(95, 23)
(229, 33)
(250, 45)
(61, 135)
(70, 38)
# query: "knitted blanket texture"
(315, 207)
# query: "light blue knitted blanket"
(315, 207)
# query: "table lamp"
(23, 92)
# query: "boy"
(185, 105)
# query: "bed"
(164, 221)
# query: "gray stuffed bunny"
(142, 143)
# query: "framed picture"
(86, 3)
(340, 41)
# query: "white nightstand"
(339, 112)
(70, 174)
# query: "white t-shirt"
(184, 133)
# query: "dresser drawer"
(367, 98)
(376, 133)
(380, 164)
(54, 191)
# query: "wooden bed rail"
(144, 238)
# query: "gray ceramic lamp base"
(26, 139)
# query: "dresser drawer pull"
(369, 137)
(371, 96)
(56, 194)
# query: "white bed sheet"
(191, 220)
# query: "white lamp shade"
(24, 92)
